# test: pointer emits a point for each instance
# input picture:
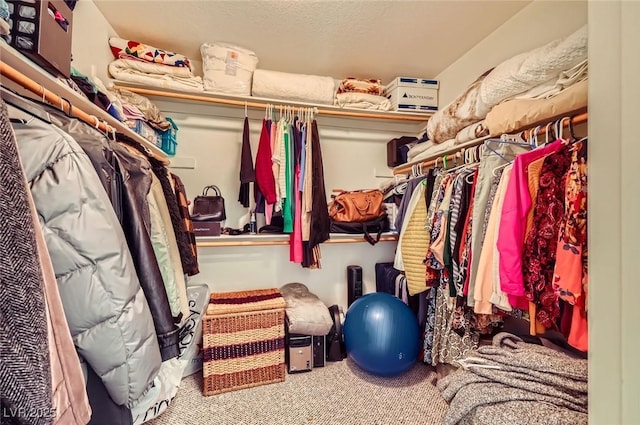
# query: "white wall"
(210, 137)
(538, 23)
(614, 289)
(90, 44)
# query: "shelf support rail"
(46, 95)
(455, 151)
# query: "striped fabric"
(230, 302)
(243, 340)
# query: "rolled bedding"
(293, 87)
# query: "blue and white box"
(410, 94)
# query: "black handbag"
(209, 207)
(372, 229)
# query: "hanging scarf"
(247, 173)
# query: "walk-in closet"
(329, 212)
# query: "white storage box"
(227, 68)
(413, 94)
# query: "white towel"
(294, 87)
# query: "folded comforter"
(156, 75)
(296, 87)
(474, 131)
(362, 101)
(509, 79)
(511, 382)
(516, 114)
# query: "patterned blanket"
(359, 85)
(129, 49)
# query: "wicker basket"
(243, 340)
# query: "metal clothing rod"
(64, 104)
(455, 151)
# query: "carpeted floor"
(340, 393)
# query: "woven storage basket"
(243, 340)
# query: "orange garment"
(533, 176)
(571, 274)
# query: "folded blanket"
(296, 87)
(554, 86)
(359, 85)
(129, 49)
(511, 382)
(517, 114)
(474, 131)
(462, 112)
(168, 77)
(419, 148)
(362, 101)
(509, 79)
(527, 70)
(134, 103)
(432, 149)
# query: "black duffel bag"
(371, 229)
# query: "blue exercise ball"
(381, 334)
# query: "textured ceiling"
(372, 39)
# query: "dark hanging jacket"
(183, 205)
(320, 222)
(188, 260)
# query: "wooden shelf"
(272, 239)
(27, 75)
(261, 103)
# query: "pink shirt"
(511, 234)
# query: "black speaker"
(319, 351)
(354, 279)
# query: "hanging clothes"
(99, 318)
(247, 173)
(320, 221)
(183, 206)
(538, 260)
(263, 171)
(511, 235)
(501, 154)
(126, 180)
(484, 286)
(295, 239)
(69, 395)
(25, 379)
(571, 270)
